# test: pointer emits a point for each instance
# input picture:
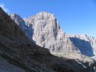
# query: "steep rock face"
(83, 44)
(20, 22)
(48, 34)
(86, 44)
(16, 51)
(18, 54)
(27, 28)
(44, 30)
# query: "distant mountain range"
(19, 52)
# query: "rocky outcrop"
(85, 44)
(19, 54)
(47, 33)
(27, 28)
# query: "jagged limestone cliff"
(46, 32)
(19, 54)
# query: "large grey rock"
(17, 52)
(86, 44)
(47, 33)
(27, 28)
(21, 54)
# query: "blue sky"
(74, 16)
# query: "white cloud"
(4, 8)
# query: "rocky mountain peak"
(46, 32)
(18, 54)
(26, 27)
(45, 15)
(17, 19)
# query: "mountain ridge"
(19, 54)
(47, 33)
